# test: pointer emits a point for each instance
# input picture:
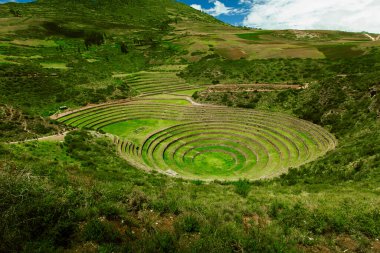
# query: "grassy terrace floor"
(170, 135)
(157, 82)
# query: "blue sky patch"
(17, 1)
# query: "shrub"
(275, 208)
(124, 48)
(31, 212)
(137, 200)
(165, 241)
(242, 187)
(166, 206)
(109, 210)
(101, 232)
(197, 182)
(195, 95)
(94, 38)
(188, 223)
(63, 233)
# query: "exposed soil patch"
(255, 220)
(54, 138)
(375, 246)
(346, 243)
(232, 53)
(314, 249)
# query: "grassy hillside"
(78, 57)
(142, 61)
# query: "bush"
(93, 38)
(197, 182)
(165, 241)
(137, 200)
(30, 211)
(101, 232)
(188, 223)
(165, 206)
(242, 187)
(195, 95)
(109, 210)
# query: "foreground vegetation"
(81, 195)
(81, 191)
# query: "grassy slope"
(202, 39)
(93, 195)
(45, 46)
(81, 196)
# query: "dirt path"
(190, 99)
(193, 102)
(54, 138)
(372, 38)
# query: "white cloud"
(197, 7)
(245, 1)
(218, 9)
(349, 15)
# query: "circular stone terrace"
(205, 142)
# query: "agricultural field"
(158, 82)
(234, 43)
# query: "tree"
(124, 48)
(16, 13)
(93, 38)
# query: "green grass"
(92, 196)
(35, 43)
(254, 36)
(54, 65)
(213, 163)
(157, 82)
(340, 51)
(170, 101)
(4, 59)
(4, 44)
(187, 92)
(135, 130)
(14, 59)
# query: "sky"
(17, 1)
(346, 15)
